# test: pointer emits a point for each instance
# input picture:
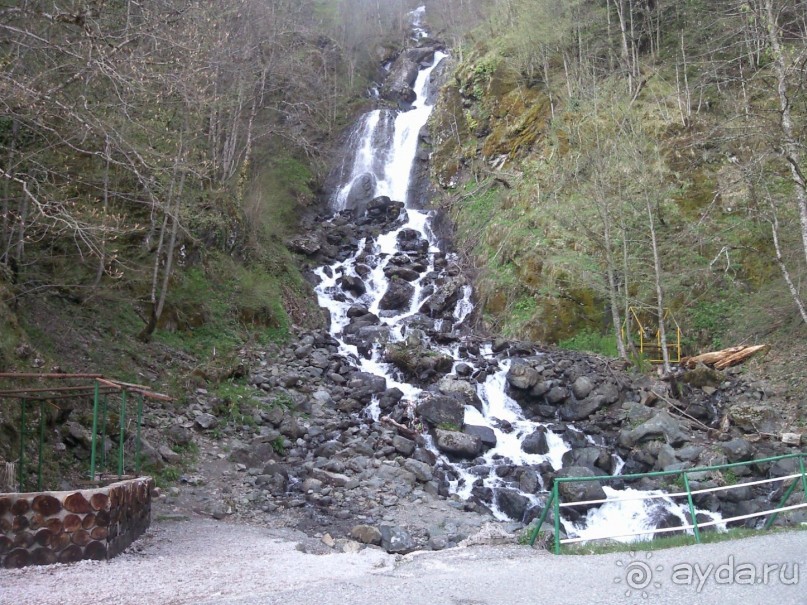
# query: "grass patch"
(710, 537)
(592, 342)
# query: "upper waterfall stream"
(396, 284)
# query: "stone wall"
(64, 527)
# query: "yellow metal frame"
(651, 344)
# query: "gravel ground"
(201, 561)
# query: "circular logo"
(638, 575)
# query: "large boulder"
(457, 444)
(662, 426)
(442, 411)
(535, 443)
(360, 193)
(512, 503)
(485, 434)
(398, 296)
(444, 298)
(461, 390)
(522, 376)
(577, 491)
(396, 540)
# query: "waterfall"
(384, 146)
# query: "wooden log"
(55, 526)
(89, 521)
(43, 556)
(99, 501)
(71, 523)
(102, 518)
(5, 525)
(71, 554)
(60, 542)
(99, 533)
(17, 558)
(5, 505)
(46, 505)
(77, 503)
(23, 539)
(96, 551)
(21, 506)
(5, 544)
(43, 537)
(81, 537)
(20, 523)
(725, 358)
(740, 357)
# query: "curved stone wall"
(63, 527)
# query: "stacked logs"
(65, 527)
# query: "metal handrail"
(554, 498)
(99, 387)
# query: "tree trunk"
(790, 146)
(665, 355)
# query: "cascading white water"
(385, 146)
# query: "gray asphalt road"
(766, 569)
(205, 562)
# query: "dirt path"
(200, 561)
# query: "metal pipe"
(542, 519)
(556, 495)
(94, 430)
(139, 425)
(41, 445)
(21, 482)
(122, 436)
(103, 431)
(692, 510)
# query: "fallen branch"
(403, 430)
(680, 411)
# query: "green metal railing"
(553, 502)
(99, 392)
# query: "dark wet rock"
(442, 411)
(398, 296)
(556, 395)
(536, 443)
(512, 503)
(594, 458)
(444, 298)
(352, 284)
(486, 434)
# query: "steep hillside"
(564, 145)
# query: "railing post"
(139, 425)
(803, 476)
(782, 502)
(103, 432)
(41, 444)
(122, 436)
(542, 518)
(21, 474)
(556, 498)
(692, 510)
(94, 430)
